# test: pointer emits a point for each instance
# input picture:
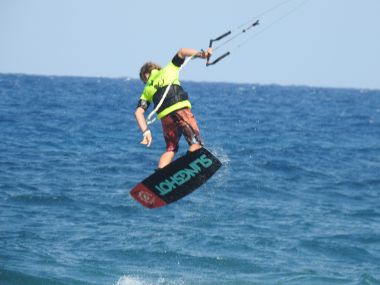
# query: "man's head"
(146, 69)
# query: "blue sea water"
(296, 201)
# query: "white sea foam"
(131, 280)
(221, 154)
(134, 280)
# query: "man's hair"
(147, 68)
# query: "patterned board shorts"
(177, 123)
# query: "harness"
(174, 95)
(161, 101)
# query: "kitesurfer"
(175, 112)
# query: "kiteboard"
(176, 180)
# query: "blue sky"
(332, 43)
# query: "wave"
(41, 199)
(9, 277)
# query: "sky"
(323, 43)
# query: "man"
(175, 112)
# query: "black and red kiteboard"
(176, 180)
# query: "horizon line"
(128, 78)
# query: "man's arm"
(185, 52)
(147, 135)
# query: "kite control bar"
(223, 36)
(210, 45)
(251, 25)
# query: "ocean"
(297, 200)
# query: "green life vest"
(159, 79)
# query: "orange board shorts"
(178, 123)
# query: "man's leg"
(190, 129)
(194, 147)
(172, 136)
(166, 158)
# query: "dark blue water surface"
(296, 202)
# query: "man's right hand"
(147, 138)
